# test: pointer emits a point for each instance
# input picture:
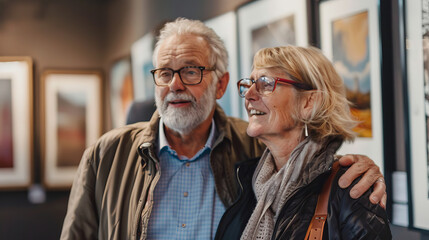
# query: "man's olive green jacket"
(112, 193)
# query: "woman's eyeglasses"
(266, 85)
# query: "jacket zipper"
(238, 199)
(150, 195)
(241, 193)
(239, 182)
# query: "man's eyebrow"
(191, 62)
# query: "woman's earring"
(305, 130)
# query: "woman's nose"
(252, 93)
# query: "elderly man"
(172, 177)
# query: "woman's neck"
(282, 146)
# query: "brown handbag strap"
(315, 230)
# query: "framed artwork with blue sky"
(350, 38)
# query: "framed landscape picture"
(226, 27)
(283, 22)
(16, 122)
(121, 91)
(71, 121)
(350, 39)
(141, 60)
(417, 54)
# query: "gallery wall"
(59, 35)
(93, 35)
(74, 35)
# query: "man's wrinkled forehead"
(190, 49)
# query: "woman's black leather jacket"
(347, 218)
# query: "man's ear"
(309, 101)
(221, 85)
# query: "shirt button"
(185, 194)
(183, 225)
(188, 164)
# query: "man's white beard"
(185, 119)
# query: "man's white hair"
(182, 26)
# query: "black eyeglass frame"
(180, 77)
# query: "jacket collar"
(149, 135)
(222, 125)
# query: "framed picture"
(350, 38)
(16, 122)
(226, 27)
(417, 54)
(71, 121)
(141, 60)
(121, 91)
(282, 22)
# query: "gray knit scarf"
(272, 189)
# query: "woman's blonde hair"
(330, 116)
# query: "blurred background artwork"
(279, 32)
(417, 30)
(71, 130)
(425, 34)
(16, 122)
(350, 45)
(141, 60)
(121, 91)
(225, 26)
(350, 38)
(6, 143)
(72, 121)
(278, 23)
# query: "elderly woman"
(297, 106)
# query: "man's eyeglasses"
(266, 85)
(190, 75)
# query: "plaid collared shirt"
(186, 205)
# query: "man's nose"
(176, 83)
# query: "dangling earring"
(305, 130)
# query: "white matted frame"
(141, 61)
(71, 121)
(16, 122)
(417, 35)
(226, 27)
(368, 77)
(270, 23)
